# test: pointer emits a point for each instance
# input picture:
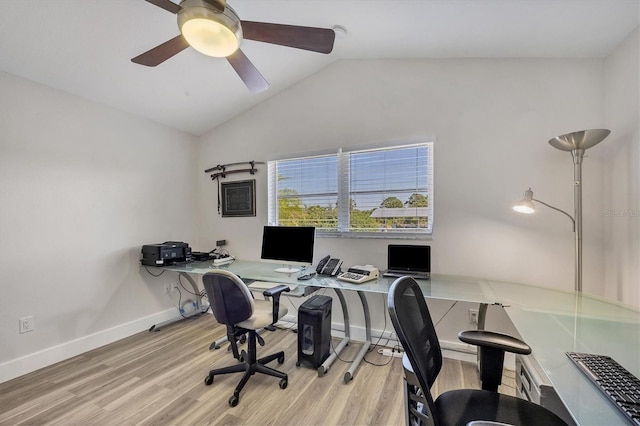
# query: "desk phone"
(359, 274)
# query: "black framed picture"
(238, 198)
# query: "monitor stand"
(287, 270)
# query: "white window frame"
(344, 195)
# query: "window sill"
(424, 236)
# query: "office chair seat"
(423, 360)
(233, 305)
(460, 407)
(262, 315)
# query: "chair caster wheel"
(284, 383)
(281, 360)
(243, 356)
(298, 364)
(208, 380)
(233, 401)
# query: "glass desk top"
(551, 321)
(439, 286)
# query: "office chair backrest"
(413, 325)
(230, 298)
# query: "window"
(373, 192)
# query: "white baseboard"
(357, 333)
(452, 350)
(37, 360)
(32, 362)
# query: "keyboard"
(398, 274)
(265, 285)
(622, 387)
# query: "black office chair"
(233, 305)
(422, 362)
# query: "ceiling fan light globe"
(210, 32)
(209, 37)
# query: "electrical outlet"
(26, 324)
(473, 316)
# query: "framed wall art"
(238, 198)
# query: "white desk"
(551, 321)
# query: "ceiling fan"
(214, 29)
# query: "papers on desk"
(265, 285)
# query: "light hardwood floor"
(157, 378)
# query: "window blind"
(360, 192)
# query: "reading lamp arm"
(573, 221)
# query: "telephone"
(329, 266)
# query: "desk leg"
(322, 370)
(199, 308)
(348, 376)
(218, 343)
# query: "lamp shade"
(583, 139)
(526, 204)
(209, 31)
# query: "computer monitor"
(288, 245)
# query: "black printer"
(166, 253)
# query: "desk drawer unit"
(533, 385)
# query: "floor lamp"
(576, 143)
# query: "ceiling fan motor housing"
(208, 30)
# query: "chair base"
(250, 366)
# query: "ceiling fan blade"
(252, 78)
(161, 53)
(218, 4)
(308, 38)
(167, 5)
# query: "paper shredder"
(314, 331)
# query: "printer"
(166, 253)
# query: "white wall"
(492, 120)
(82, 187)
(622, 172)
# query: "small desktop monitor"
(288, 245)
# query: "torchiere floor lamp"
(576, 143)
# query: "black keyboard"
(622, 387)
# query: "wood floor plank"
(27, 408)
(157, 378)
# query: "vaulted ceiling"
(84, 47)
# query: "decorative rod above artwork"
(222, 172)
